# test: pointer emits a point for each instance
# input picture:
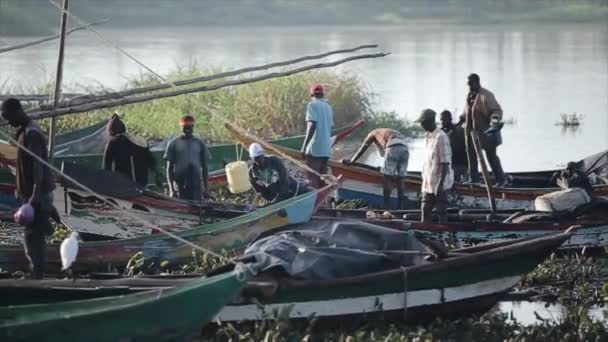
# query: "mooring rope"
(208, 109)
(242, 131)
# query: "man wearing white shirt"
(437, 173)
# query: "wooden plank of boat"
(469, 227)
(228, 234)
(460, 284)
(190, 305)
(366, 184)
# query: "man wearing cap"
(34, 184)
(437, 174)
(187, 159)
(482, 116)
(317, 144)
(393, 147)
(270, 178)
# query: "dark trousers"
(34, 236)
(35, 249)
(318, 164)
(439, 202)
(190, 193)
(389, 183)
(490, 149)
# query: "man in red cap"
(187, 163)
(317, 144)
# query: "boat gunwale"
(334, 164)
(213, 228)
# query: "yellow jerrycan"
(237, 174)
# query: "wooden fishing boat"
(467, 280)
(221, 154)
(460, 281)
(466, 226)
(118, 318)
(365, 183)
(229, 234)
(472, 226)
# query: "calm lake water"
(536, 72)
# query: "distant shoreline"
(26, 19)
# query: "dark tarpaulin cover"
(329, 249)
(103, 182)
(596, 167)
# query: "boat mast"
(58, 77)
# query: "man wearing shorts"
(393, 147)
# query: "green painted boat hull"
(434, 287)
(220, 154)
(149, 316)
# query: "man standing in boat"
(124, 156)
(34, 184)
(317, 143)
(393, 147)
(270, 178)
(187, 163)
(437, 174)
(483, 117)
(459, 152)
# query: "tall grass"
(269, 109)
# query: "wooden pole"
(484, 170)
(86, 99)
(43, 114)
(58, 77)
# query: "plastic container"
(237, 174)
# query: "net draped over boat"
(329, 249)
(93, 140)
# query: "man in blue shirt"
(317, 144)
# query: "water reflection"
(529, 313)
(536, 72)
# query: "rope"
(327, 178)
(84, 187)
(405, 282)
(211, 111)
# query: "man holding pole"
(437, 174)
(482, 116)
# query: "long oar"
(484, 170)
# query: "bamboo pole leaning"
(58, 77)
(139, 99)
(50, 38)
(86, 99)
(35, 97)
